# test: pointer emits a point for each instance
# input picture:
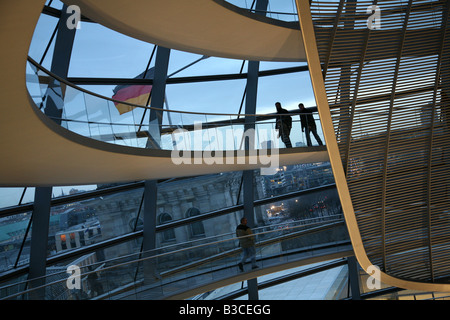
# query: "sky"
(100, 52)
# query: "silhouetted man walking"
(283, 125)
(247, 243)
(309, 124)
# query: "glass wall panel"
(54, 4)
(273, 65)
(185, 64)
(41, 38)
(94, 285)
(325, 285)
(310, 206)
(102, 52)
(184, 198)
(78, 224)
(15, 196)
(13, 286)
(288, 89)
(282, 10)
(61, 191)
(276, 9)
(190, 242)
(207, 97)
(293, 178)
(14, 251)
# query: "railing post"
(353, 274)
(252, 284)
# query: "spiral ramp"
(38, 152)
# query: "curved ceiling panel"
(208, 27)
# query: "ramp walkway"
(185, 270)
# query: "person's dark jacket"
(307, 119)
(286, 120)
(245, 235)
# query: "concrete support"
(156, 116)
(158, 96)
(150, 188)
(250, 108)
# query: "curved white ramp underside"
(208, 27)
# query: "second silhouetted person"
(309, 124)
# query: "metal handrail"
(60, 79)
(127, 237)
(149, 254)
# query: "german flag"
(137, 94)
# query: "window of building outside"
(197, 228)
(168, 235)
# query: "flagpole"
(189, 65)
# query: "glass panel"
(282, 10)
(78, 224)
(276, 9)
(14, 286)
(11, 196)
(75, 112)
(325, 285)
(14, 252)
(184, 64)
(200, 232)
(55, 4)
(192, 262)
(207, 97)
(60, 286)
(314, 206)
(99, 61)
(41, 37)
(99, 118)
(284, 88)
(293, 178)
(205, 193)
